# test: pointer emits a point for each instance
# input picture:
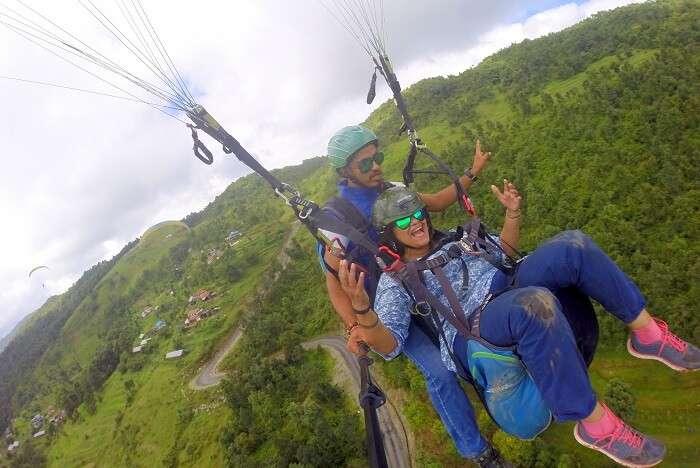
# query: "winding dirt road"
(209, 375)
(393, 431)
(394, 434)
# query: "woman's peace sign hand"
(510, 198)
(353, 284)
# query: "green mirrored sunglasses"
(404, 223)
(366, 164)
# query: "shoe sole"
(612, 457)
(636, 354)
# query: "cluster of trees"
(19, 359)
(616, 155)
(615, 152)
(285, 411)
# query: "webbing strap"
(461, 370)
(452, 298)
(322, 220)
(411, 278)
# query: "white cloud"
(82, 175)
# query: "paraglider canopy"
(37, 268)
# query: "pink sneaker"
(671, 350)
(625, 445)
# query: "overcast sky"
(84, 174)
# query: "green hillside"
(599, 125)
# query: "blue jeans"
(446, 394)
(531, 317)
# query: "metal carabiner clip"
(281, 194)
(286, 188)
(304, 214)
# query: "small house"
(213, 255)
(201, 295)
(204, 295)
(57, 417)
(144, 341)
(37, 421)
(13, 446)
(233, 237)
(39, 434)
(197, 315)
(192, 317)
(160, 324)
(137, 349)
(174, 354)
(146, 311)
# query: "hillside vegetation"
(599, 126)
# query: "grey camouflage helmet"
(395, 203)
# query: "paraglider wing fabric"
(35, 269)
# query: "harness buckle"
(421, 308)
(468, 247)
(396, 264)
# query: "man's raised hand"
(481, 158)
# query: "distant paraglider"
(36, 268)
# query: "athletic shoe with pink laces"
(670, 349)
(625, 445)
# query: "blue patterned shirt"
(393, 304)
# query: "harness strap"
(476, 321)
(323, 220)
(461, 370)
(452, 298)
(411, 278)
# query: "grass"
(496, 109)
(149, 428)
(667, 408)
(576, 81)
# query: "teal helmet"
(394, 203)
(346, 142)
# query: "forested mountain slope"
(599, 125)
